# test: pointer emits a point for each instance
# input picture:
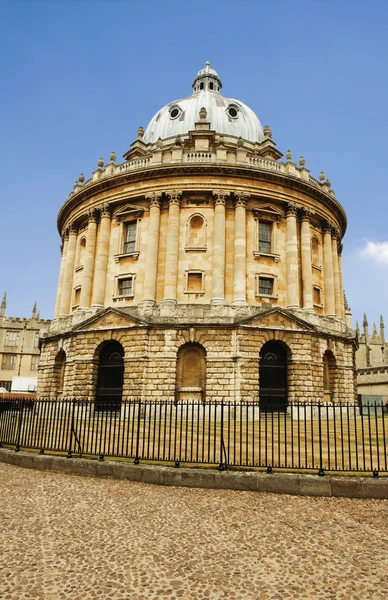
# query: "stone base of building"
(199, 353)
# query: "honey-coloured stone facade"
(199, 249)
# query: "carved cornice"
(157, 172)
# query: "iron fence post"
(222, 465)
(69, 454)
(321, 472)
(137, 458)
(17, 447)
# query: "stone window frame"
(9, 334)
(269, 215)
(188, 247)
(80, 253)
(34, 362)
(127, 215)
(266, 275)
(76, 292)
(319, 288)
(116, 295)
(195, 272)
(8, 358)
(315, 265)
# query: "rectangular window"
(8, 362)
(77, 296)
(129, 237)
(11, 338)
(317, 296)
(194, 282)
(36, 339)
(265, 286)
(34, 363)
(265, 237)
(126, 286)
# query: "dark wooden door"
(273, 377)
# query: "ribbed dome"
(227, 116)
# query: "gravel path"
(74, 538)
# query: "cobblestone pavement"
(69, 537)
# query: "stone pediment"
(129, 210)
(110, 318)
(278, 318)
(268, 210)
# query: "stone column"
(336, 275)
(68, 272)
(172, 250)
(218, 291)
(101, 257)
(328, 274)
(240, 250)
(87, 275)
(343, 313)
(151, 259)
(307, 276)
(60, 280)
(292, 258)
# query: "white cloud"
(378, 251)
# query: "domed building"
(202, 268)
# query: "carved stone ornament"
(154, 199)
(105, 210)
(327, 227)
(292, 209)
(72, 229)
(306, 214)
(240, 199)
(92, 215)
(174, 196)
(220, 197)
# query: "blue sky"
(80, 76)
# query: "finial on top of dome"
(288, 155)
(207, 64)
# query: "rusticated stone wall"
(232, 362)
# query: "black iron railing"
(312, 436)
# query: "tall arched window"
(273, 377)
(110, 377)
(329, 376)
(191, 373)
(81, 252)
(60, 370)
(196, 233)
(315, 252)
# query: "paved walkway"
(64, 537)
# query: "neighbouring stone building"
(203, 267)
(19, 345)
(372, 360)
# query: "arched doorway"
(273, 377)
(191, 373)
(110, 377)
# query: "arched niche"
(315, 252)
(196, 233)
(110, 376)
(81, 252)
(273, 376)
(329, 376)
(191, 373)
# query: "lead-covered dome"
(227, 116)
